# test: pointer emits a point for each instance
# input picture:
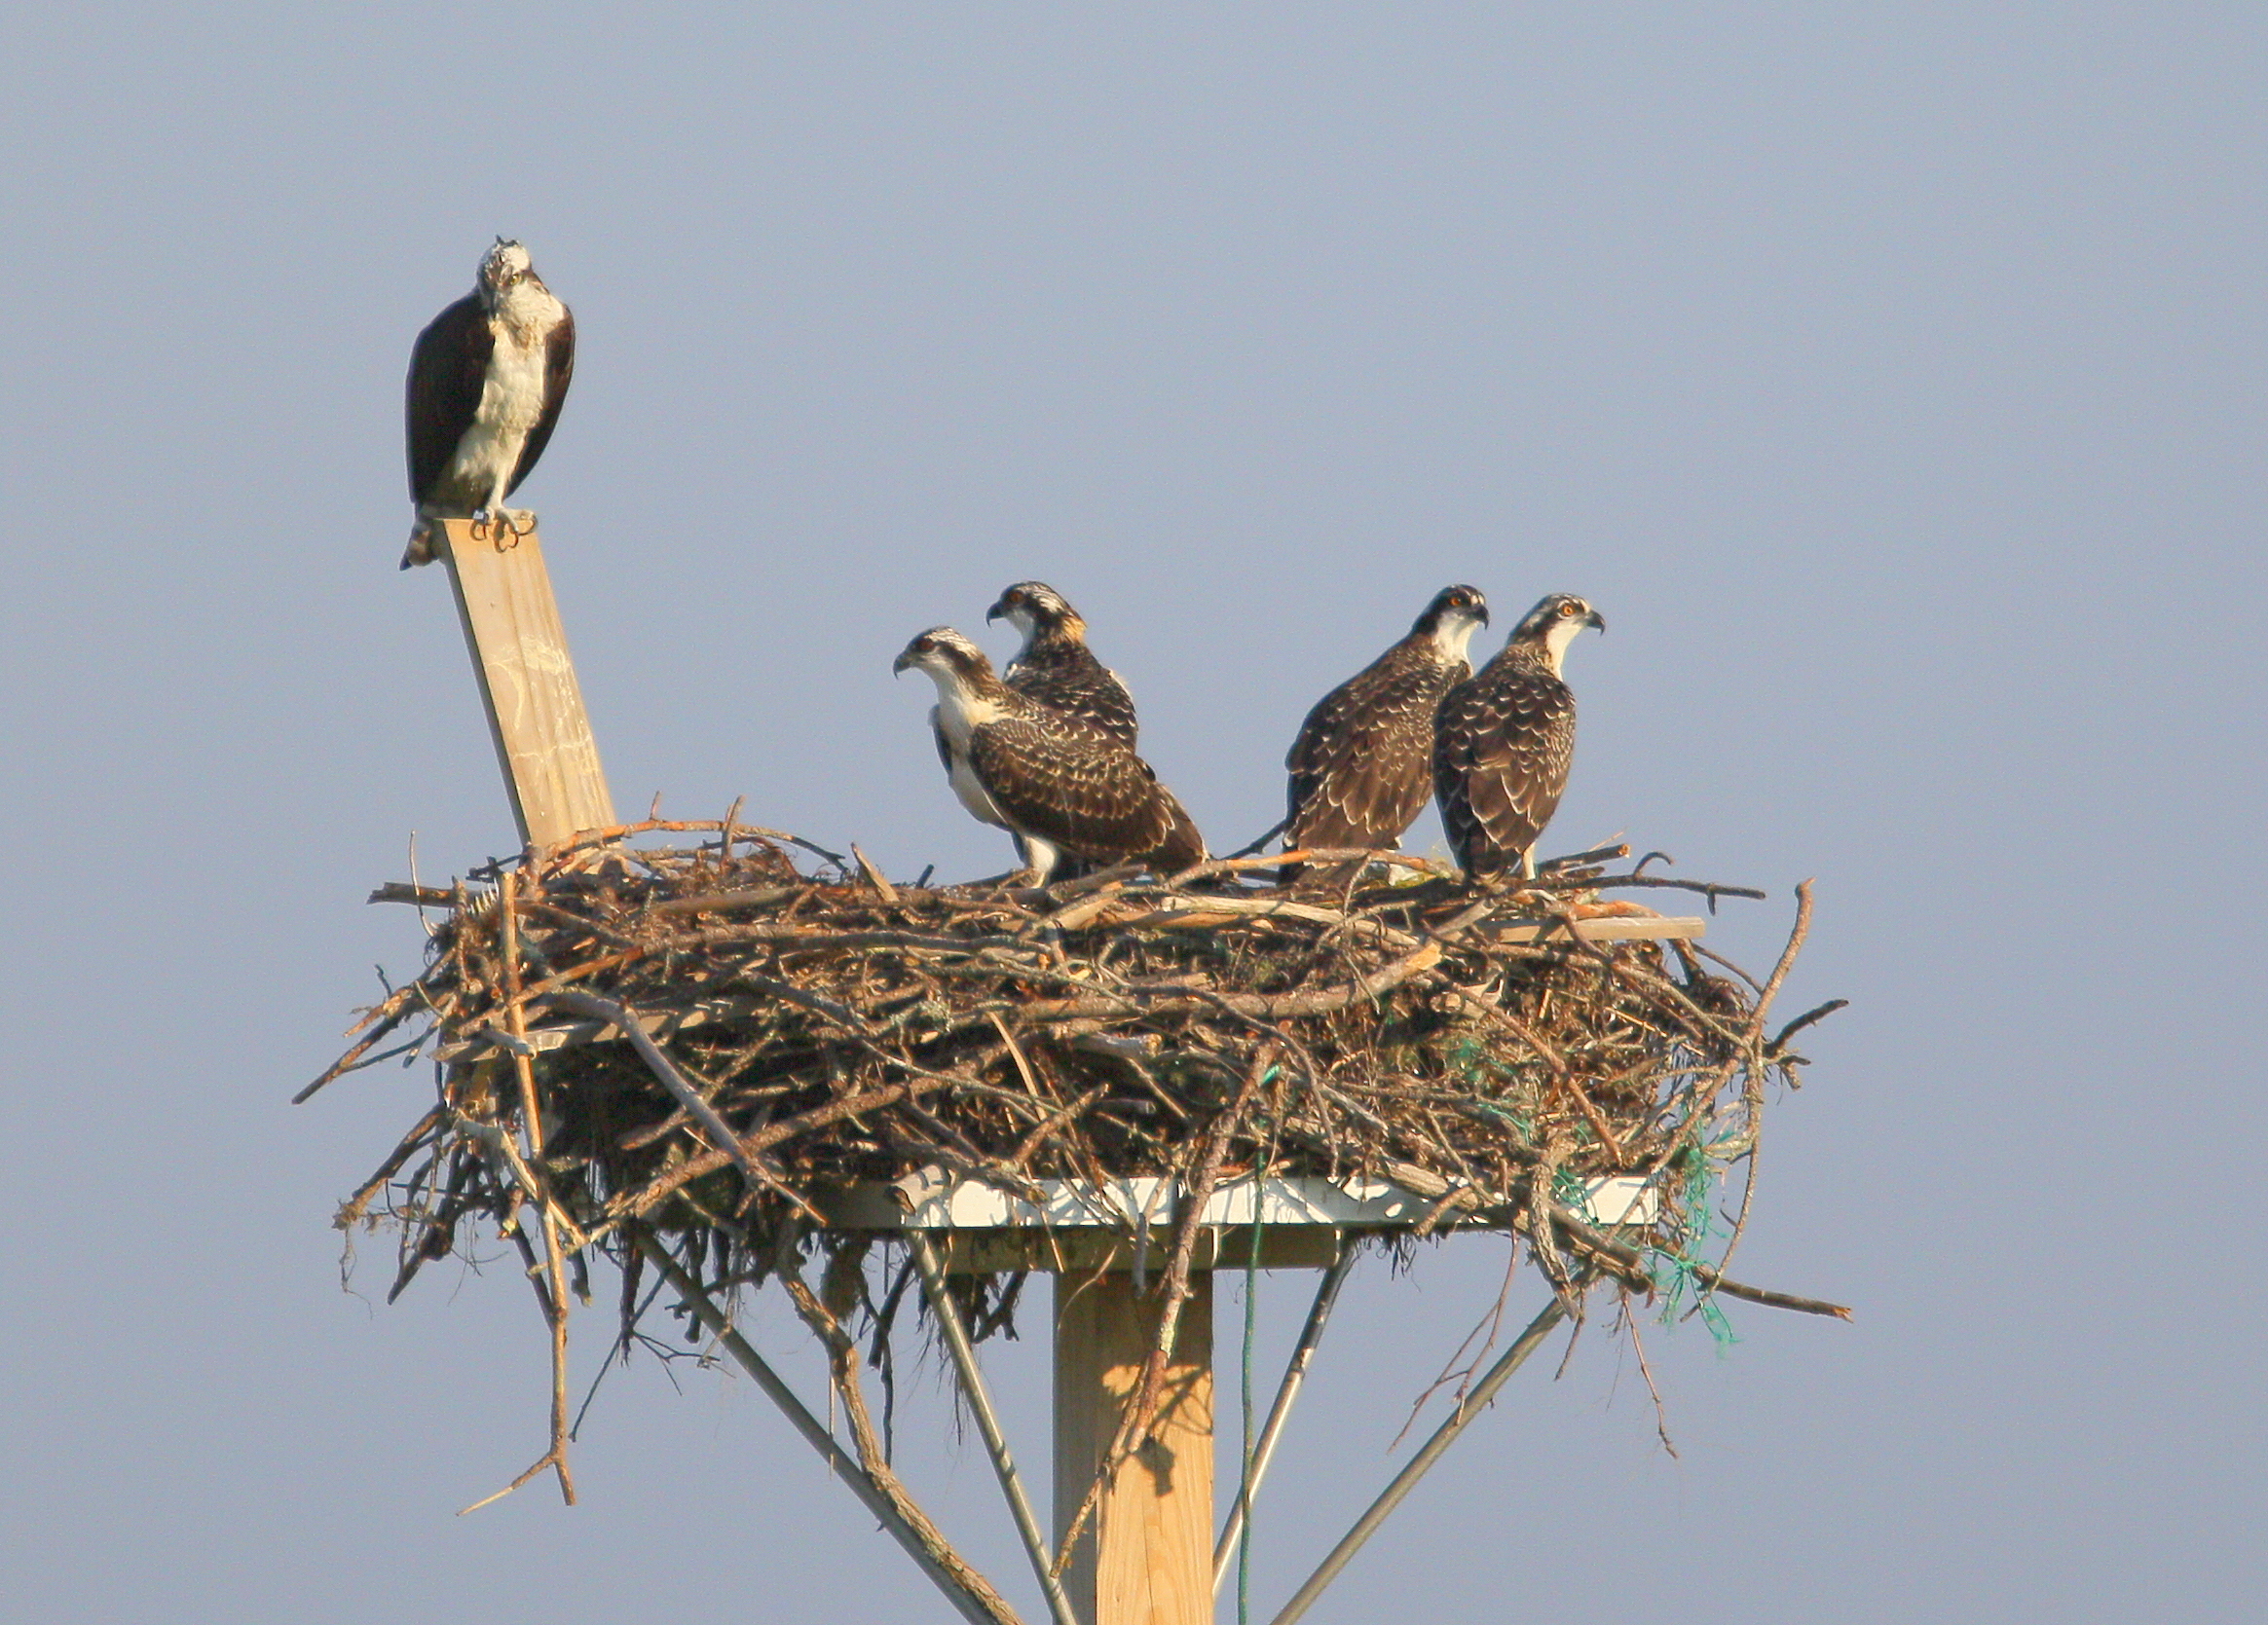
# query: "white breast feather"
(972, 793)
(956, 715)
(958, 712)
(511, 400)
(1453, 638)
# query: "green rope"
(1676, 1271)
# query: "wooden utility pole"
(1146, 1558)
(535, 706)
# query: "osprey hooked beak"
(1005, 607)
(925, 647)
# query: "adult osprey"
(1359, 767)
(487, 379)
(1057, 668)
(1017, 763)
(1503, 739)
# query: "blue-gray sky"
(1889, 376)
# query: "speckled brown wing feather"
(1503, 745)
(1067, 677)
(448, 370)
(1358, 767)
(1095, 801)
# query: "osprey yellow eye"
(1571, 607)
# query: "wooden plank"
(536, 714)
(1147, 1558)
(1606, 927)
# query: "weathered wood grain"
(536, 714)
(1148, 1558)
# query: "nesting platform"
(716, 1060)
(730, 1049)
(690, 1052)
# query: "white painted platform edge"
(931, 1199)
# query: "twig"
(532, 1125)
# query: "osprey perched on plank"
(1057, 668)
(487, 379)
(1360, 767)
(1015, 763)
(1503, 739)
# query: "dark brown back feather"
(447, 369)
(1097, 801)
(1358, 767)
(1063, 673)
(1504, 742)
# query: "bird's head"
(1036, 610)
(504, 267)
(947, 657)
(1555, 623)
(1452, 618)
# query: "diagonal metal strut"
(1280, 1412)
(980, 1398)
(1406, 1480)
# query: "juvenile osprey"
(1359, 767)
(1015, 763)
(1055, 667)
(487, 378)
(1504, 738)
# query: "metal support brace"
(1280, 1412)
(1406, 1480)
(965, 1358)
(815, 1434)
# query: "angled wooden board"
(536, 715)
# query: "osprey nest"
(684, 1055)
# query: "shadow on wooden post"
(1148, 1559)
(535, 706)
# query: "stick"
(532, 1123)
(1715, 1281)
(1142, 1404)
(665, 1070)
(1752, 1085)
(843, 1362)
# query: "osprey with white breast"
(1015, 763)
(1504, 738)
(1360, 767)
(487, 379)
(1055, 667)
